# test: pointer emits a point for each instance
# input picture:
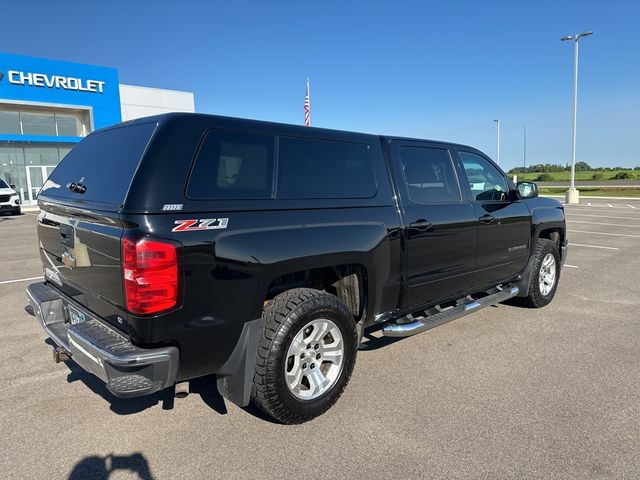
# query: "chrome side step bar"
(452, 313)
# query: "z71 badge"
(196, 225)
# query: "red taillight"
(151, 277)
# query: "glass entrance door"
(36, 176)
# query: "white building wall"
(136, 102)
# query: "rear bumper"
(127, 370)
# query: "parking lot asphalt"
(504, 393)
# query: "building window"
(38, 123)
(10, 122)
(52, 122)
(68, 125)
(19, 160)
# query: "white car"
(9, 199)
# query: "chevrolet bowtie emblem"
(68, 260)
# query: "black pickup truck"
(184, 245)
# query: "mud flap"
(525, 279)
(235, 377)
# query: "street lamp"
(573, 196)
(497, 141)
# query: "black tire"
(17, 211)
(282, 319)
(535, 298)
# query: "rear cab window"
(105, 162)
(429, 175)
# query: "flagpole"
(309, 100)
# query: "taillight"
(151, 276)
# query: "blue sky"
(438, 70)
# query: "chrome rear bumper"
(127, 370)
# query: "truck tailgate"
(81, 253)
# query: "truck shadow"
(205, 387)
(100, 468)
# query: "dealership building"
(47, 106)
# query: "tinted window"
(233, 165)
(104, 162)
(324, 169)
(485, 181)
(429, 175)
(3, 184)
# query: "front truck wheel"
(544, 275)
(306, 354)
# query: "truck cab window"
(485, 181)
(429, 175)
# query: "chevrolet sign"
(55, 81)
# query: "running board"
(451, 313)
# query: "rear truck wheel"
(306, 354)
(544, 275)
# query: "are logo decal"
(196, 225)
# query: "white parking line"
(584, 208)
(604, 233)
(602, 216)
(592, 246)
(20, 280)
(602, 205)
(621, 206)
(600, 223)
(571, 266)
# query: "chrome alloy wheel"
(547, 276)
(314, 360)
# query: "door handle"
(420, 224)
(486, 218)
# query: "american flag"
(307, 107)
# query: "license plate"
(75, 316)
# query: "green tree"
(582, 166)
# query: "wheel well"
(554, 234)
(347, 282)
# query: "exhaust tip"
(61, 355)
(182, 390)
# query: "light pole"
(497, 141)
(524, 150)
(573, 196)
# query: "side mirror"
(527, 190)
(13, 186)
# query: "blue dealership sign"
(50, 82)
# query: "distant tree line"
(553, 168)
